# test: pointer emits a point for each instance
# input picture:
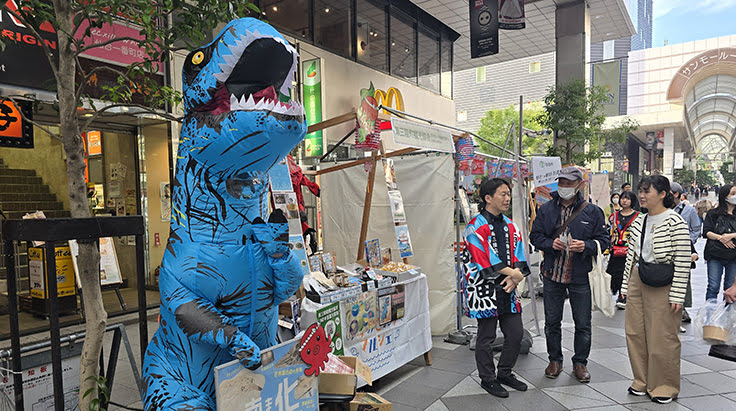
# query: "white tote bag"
(600, 286)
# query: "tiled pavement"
(452, 382)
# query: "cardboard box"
(344, 384)
(367, 401)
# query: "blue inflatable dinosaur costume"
(225, 270)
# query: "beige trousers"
(652, 338)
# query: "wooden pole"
(367, 206)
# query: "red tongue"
(268, 93)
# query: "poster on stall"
(390, 304)
(360, 315)
(296, 244)
(543, 194)
(390, 174)
(329, 318)
(280, 177)
(402, 236)
(545, 170)
(373, 253)
(286, 202)
(397, 206)
(279, 383)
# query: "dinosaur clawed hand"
(274, 235)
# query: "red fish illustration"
(314, 349)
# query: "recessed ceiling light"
(275, 8)
(327, 9)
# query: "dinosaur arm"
(202, 322)
(287, 276)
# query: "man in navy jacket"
(567, 262)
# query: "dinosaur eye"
(309, 352)
(198, 57)
(318, 338)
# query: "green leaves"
(495, 127)
(100, 385)
(575, 113)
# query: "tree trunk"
(89, 258)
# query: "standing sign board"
(483, 28)
(417, 135)
(109, 267)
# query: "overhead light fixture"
(275, 8)
(609, 34)
(327, 9)
(599, 16)
(406, 49)
(393, 43)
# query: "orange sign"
(11, 123)
(94, 143)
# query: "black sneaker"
(511, 381)
(662, 400)
(495, 389)
(637, 393)
(685, 316)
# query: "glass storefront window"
(332, 26)
(429, 60)
(372, 34)
(403, 47)
(446, 67)
(292, 16)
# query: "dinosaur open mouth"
(250, 76)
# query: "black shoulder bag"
(653, 274)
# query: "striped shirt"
(671, 244)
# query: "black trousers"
(513, 331)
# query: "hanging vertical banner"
(483, 28)
(312, 95)
(14, 130)
(679, 161)
(608, 76)
(511, 15)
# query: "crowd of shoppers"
(650, 238)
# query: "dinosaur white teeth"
(233, 102)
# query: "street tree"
(575, 113)
(163, 27)
(495, 125)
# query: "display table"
(388, 347)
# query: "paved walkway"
(452, 382)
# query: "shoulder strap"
(633, 217)
(574, 215)
(643, 233)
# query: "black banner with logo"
(23, 62)
(14, 131)
(483, 28)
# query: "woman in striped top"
(653, 314)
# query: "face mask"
(731, 200)
(567, 193)
(615, 201)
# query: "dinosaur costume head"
(236, 93)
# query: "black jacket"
(589, 226)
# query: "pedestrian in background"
(620, 223)
(719, 228)
(655, 283)
(694, 225)
(613, 207)
(566, 230)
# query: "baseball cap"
(571, 173)
(676, 188)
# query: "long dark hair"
(489, 187)
(632, 197)
(722, 203)
(661, 184)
